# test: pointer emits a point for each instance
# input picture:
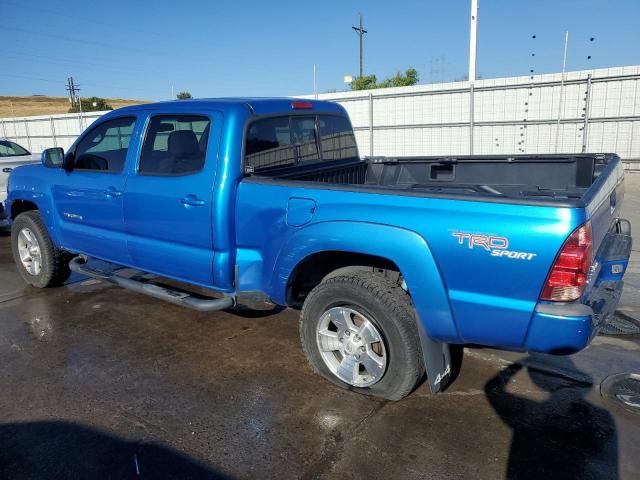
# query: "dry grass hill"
(43, 105)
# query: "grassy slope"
(29, 106)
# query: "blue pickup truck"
(394, 263)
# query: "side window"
(268, 144)
(10, 149)
(175, 145)
(336, 138)
(104, 148)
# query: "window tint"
(287, 141)
(303, 136)
(336, 138)
(268, 144)
(175, 145)
(104, 148)
(10, 149)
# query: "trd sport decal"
(498, 246)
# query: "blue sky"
(141, 49)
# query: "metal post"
(4, 129)
(585, 126)
(471, 118)
(562, 80)
(370, 125)
(53, 131)
(26, 129)
(315, 91)
(473, 39)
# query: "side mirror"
(52, 157)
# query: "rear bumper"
(564, 328)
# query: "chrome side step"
(80, 265)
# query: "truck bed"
(532, 179)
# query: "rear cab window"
(295, 140)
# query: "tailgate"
(604, 198)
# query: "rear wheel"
(39, 261)
(358, 330)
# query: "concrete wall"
(599, 111)
(45, 131)
(510, 115)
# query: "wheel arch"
(25, 200)
(20, 206)
(368, 245)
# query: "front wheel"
(39, 261)
(359, 331)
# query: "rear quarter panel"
(462, 294)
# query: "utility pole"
(361, 31)
(73, 89)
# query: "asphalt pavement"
(97, 382)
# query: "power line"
(77, 40)
(84, 19)
(71, 62)
(361, 31)
(49, 80)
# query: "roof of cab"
(257, 106)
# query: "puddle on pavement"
(41, 328)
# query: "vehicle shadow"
(249, 312)
(44, 450)
(563, 436)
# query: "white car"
(12, 155)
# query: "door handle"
(112, 192)
(192, 201)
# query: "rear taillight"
(568, 276)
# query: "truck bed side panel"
(491, 296)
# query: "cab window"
(175, 145)
(104, 148)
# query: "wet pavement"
(98, 382)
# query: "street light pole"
(473, 38)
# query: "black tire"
(55, 262)
(389, 308)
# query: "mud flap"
(437, 360)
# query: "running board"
(79, 265)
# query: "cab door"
(168, 199)
(88, 197)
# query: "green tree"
(366, 82)
(183, 96)
(91, 104)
